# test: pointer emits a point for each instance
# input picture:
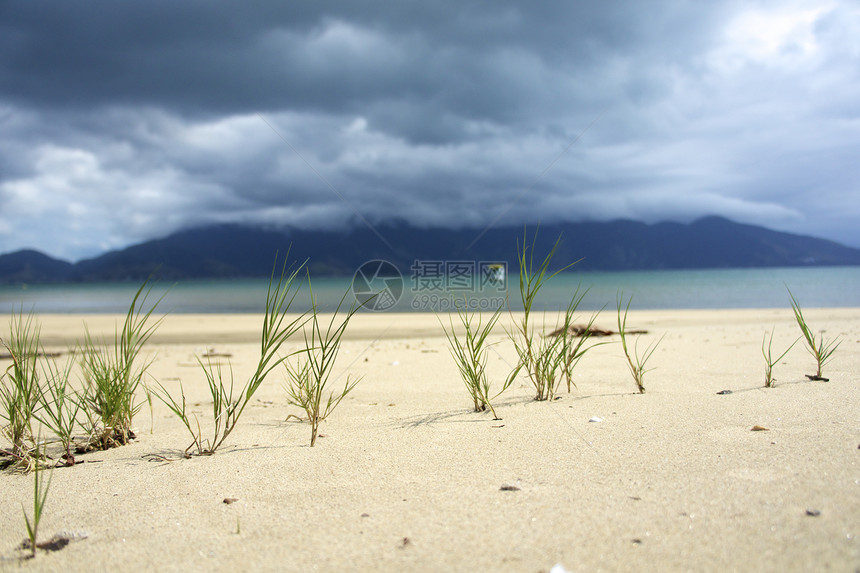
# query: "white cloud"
(781, 35)
(72, 205)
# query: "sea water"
(675, 289)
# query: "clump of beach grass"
(546, 370)
(769, 360)
(40, 495)
(112, 376)
(471, 353)
(636, 361)
(820, 348)
(20, 389)
(573, 346)
(546, 360)
(60, 405)
(227, 408)
(309, 376)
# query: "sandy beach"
(405, 477)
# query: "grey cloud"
(341, 55)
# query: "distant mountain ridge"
(234, 251)
(29, 266)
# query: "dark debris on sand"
(580, 330)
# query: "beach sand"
(405, 477)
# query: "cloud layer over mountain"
(121, 122)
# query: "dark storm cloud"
(482, 60)
(124, 121)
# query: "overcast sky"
(121, 122)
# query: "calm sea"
(689, 289)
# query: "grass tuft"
(111, 379)
(636, 361)
(470, 354)
(309, 376)
(769, 360)
(60, 405)
(227, 408)
(40, 495)
(20, 389)
(544, 359)
(822, 350)
(573, 347)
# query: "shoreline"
(65, 329)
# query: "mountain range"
(234, 251)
